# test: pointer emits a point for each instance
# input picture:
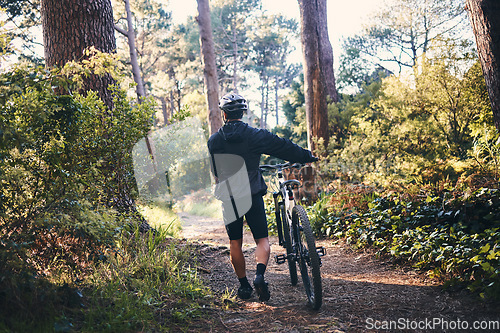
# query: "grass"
(147, 284)
(200, 203)
(160, 215)
(142, 283)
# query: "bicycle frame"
(285, 193)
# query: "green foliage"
(486, 151)
(149, 283)
(5, 39)
(397, 35)
(57, 181)
(183, 114)
(294, 109)
(420, 127)
(25, 16)
(454, 235)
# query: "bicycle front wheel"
(307, 256)
(288, 246)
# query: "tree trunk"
(210, 68)
(326, 53)
(136, 69)
(262, 104)
(70, 27)
(485, 19)
(314, 78)
(276, 99)
(266, 105)
(164, 110)
(235, 60)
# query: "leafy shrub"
(63, 158)
(452, 234)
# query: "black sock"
(244, 282)
(261, 269)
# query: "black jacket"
(237, 137)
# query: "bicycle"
(296, 237)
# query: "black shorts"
(256, 220)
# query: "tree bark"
(70, 27)
(210, 68)
(485, 19)
(276, 100)
(314, 77)
(326, 53)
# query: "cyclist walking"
(240, 139)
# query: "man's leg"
(238, 262)
(256, 219)
(237, 257)
(262, 257)
(262, 251)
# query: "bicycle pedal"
(280, 259)
(321, 251)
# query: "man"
(238, 138)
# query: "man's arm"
(285, 149)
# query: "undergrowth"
(148, 283)
(160, 215)
(450, 230)
(143, 283)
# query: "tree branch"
(122, 31)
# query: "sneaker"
(261, 287)
(245, 292)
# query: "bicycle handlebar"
(281, 166)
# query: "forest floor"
(361, 293)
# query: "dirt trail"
(360, 292)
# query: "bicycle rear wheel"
(288, 246)
(307, 257)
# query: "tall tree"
(231, 26)
(485, 18)
(271, 44)
(210, 68)
(130, 35)
(326, 53)
(402, 30)
(70, 27)
(148, 22)
(314, 77)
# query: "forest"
(406, 128)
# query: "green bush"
(454, 235)
(63, 158)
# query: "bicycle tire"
(307, 257)
(292, 267)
